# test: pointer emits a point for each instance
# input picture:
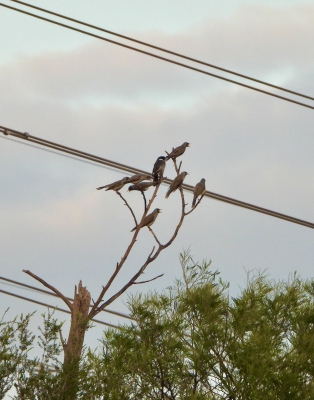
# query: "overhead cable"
(54, 307)
(159, 57)
(163, 49)
(69, 298)
(113, 164)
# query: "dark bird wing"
(159, 168)
(141, 186)
(177, 182)
(110, 185)
(199, 190)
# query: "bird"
(159, 168)
(137, 178)
(178, 180)
(178, 151)
(116, 186)
(149, 219)
(143, 186)
(199, 190)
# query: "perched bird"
(178, 180)
(149, 219)
(178, 151)
(143, 186)
(159, 168)
(137, 178)
(199, 190)
(116, 186)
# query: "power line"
(53, 294)
(163, 49)
(159, 57)
(127, 168)
(56, 308)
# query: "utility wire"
(54, 307)
(159, 57)
(127, 168)
(163, 49)
(53, 294)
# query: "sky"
(94, 96)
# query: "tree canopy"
(193, 341)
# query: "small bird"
(143, 186)
(199, 190)
(149, 219)
(159, 168)
(116, 186)
(178, 180)
(137, 178)
(178, 151)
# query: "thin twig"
(95, 309)
(131, 281)
(149, 280)
(152, 232)
(61, 339)
(59, 294)
(179, 167)
(145, 204)
(129, 207)
(196, 204)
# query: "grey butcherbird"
(178, 180)
(142, 186)
(199, 190)
(159, 168)
(149, 219)
(116, 186)
(178, 151)
(137, 178)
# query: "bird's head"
(186, 144)
(158, 210)
(161, 158)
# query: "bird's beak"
(159, 211)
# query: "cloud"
(264, 42)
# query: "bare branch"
(144, 197)
(149, 280)
(56, 291)
(62, 340)
(152, 232)
(197, 203)
(129, 207)
(127, 285)
(94, 309)
(179, 167)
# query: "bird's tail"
(133, 229)
(168, 194)
(102, 187)
(193, 202)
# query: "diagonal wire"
(159, 57)
(127, 168)
(53, 294)
(163, 49)
(54, 307)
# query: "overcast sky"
(97, 97)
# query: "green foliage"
(32, 378)
(191, 342)
(194, 342)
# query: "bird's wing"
(149, 219)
